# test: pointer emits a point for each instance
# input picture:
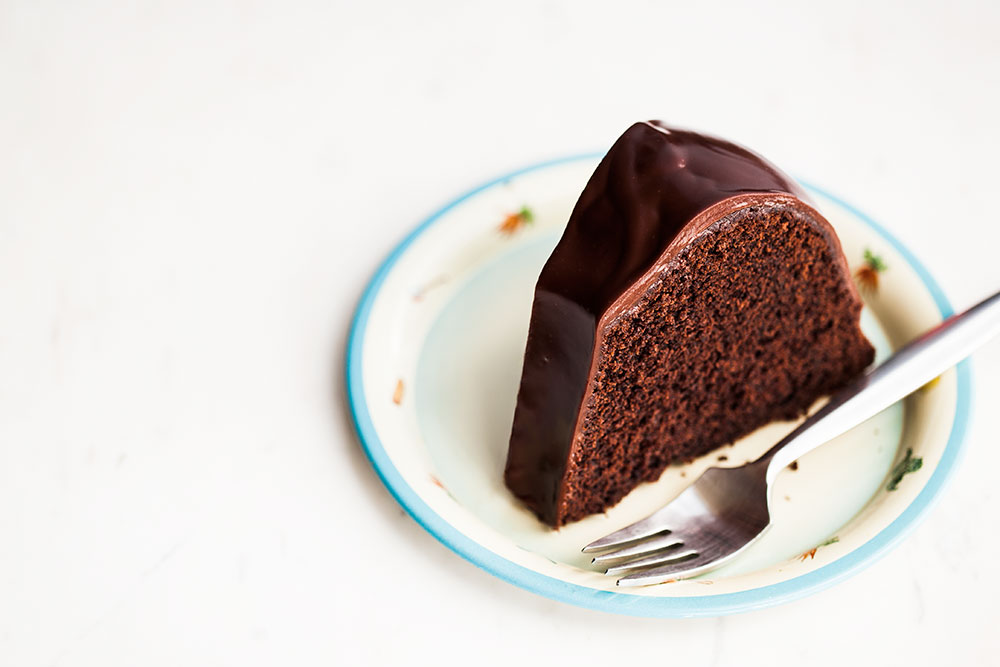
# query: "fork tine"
(681, 570)
(668, 557)
(656, 543)
(651, 525)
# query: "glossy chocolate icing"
(654, 191)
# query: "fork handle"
(910, 368)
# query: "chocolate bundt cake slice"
(693, 298)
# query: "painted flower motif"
(397, 394)
(910, 463)
(437, 482)
(812, 552)
(422, 291)
(515, 221)
(867, 275)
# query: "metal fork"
(727, 509)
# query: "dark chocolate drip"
(651, 184)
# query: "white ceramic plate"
(433, 365)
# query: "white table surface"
(192, 197)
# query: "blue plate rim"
(628, 603)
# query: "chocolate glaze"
(654, 191)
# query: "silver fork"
(726, 509)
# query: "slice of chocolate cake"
(693, 297)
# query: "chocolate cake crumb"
(731, 337)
